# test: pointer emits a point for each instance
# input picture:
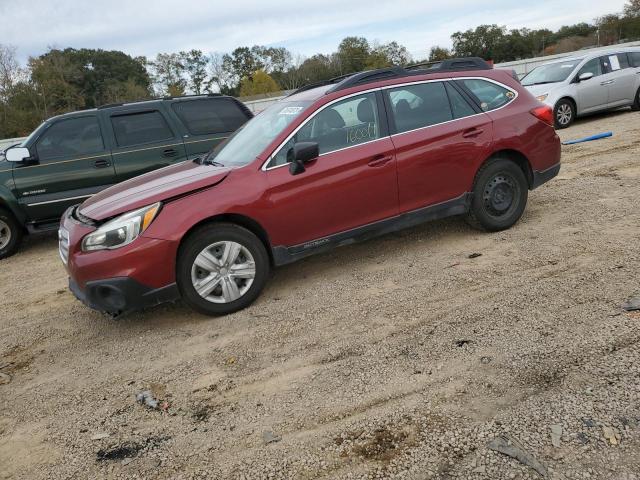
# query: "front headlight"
(542, 98)
(121, 230)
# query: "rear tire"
(564, 113)
(221, 268)
(500, 195)
(636, 103)
(10, 234)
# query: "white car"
(579, 85)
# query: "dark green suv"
(70, 157)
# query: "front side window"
(490, 95)
(140, 128)
(592, 66)
(210, 116)
(634, 59)
(71, 137)
(420, 105)
(347, 123)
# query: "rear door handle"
(379, 160)
(472, 132)
(102, 163)
(169, 152)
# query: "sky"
(144, 27)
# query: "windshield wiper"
(212, 162)
(541, 83)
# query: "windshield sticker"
(567, 65)
(290, 111)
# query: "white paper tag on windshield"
(568, 65)
(615, 63)
(290, 111)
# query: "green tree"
(437, 54)
(387, 54)
(259, 82)
(195, 64)
(353, 54)
(168, 74)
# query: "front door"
(70, 164)
(143, 141)
(593, 94)
(352, 183)
(439, 137)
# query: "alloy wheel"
(223, 272)
(564, 114)
(5, 234)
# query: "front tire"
(221, 268)
(500, 196)
(10, 234)
(636, 103)
(564, 113)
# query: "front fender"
(10, 202)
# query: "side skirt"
(457, 206)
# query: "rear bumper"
(544, 176)
(120, 295)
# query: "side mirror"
(585, 76)
(303, 152)
(17, 154)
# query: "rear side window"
(634, 59)
(418, 106)
(490, 95)
(459, 106)
(71, 137)
(139, 128)
(210, 116)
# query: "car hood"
(152, 187)
(537, 90)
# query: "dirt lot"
(400, 357)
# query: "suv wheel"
(564, 113)
(10, 234)
(636, 103)
(221, 268)
(500, 195)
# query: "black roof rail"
(320, 84)
(177, 97)
(110, 105)
(450, 65)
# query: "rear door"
(208, 121)
(622, 78)
(143, 140)
(71, 163)
(439, 137)
(593, 94)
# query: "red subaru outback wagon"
(332, 163)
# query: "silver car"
(579, 85)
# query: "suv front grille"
(63, 244)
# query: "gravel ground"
(400, 357)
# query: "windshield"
(550, 73)
(251, 140)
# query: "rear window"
(489, 95)
(139, 128)
(210, 116)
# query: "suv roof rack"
(176, 97)
(360, 78)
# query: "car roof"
(150, 102)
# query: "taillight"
(544, 113)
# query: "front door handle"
(379, 160)
(102, 163)
(170, 152)
(608, 82)
(472, 132)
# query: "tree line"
(63, 80)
